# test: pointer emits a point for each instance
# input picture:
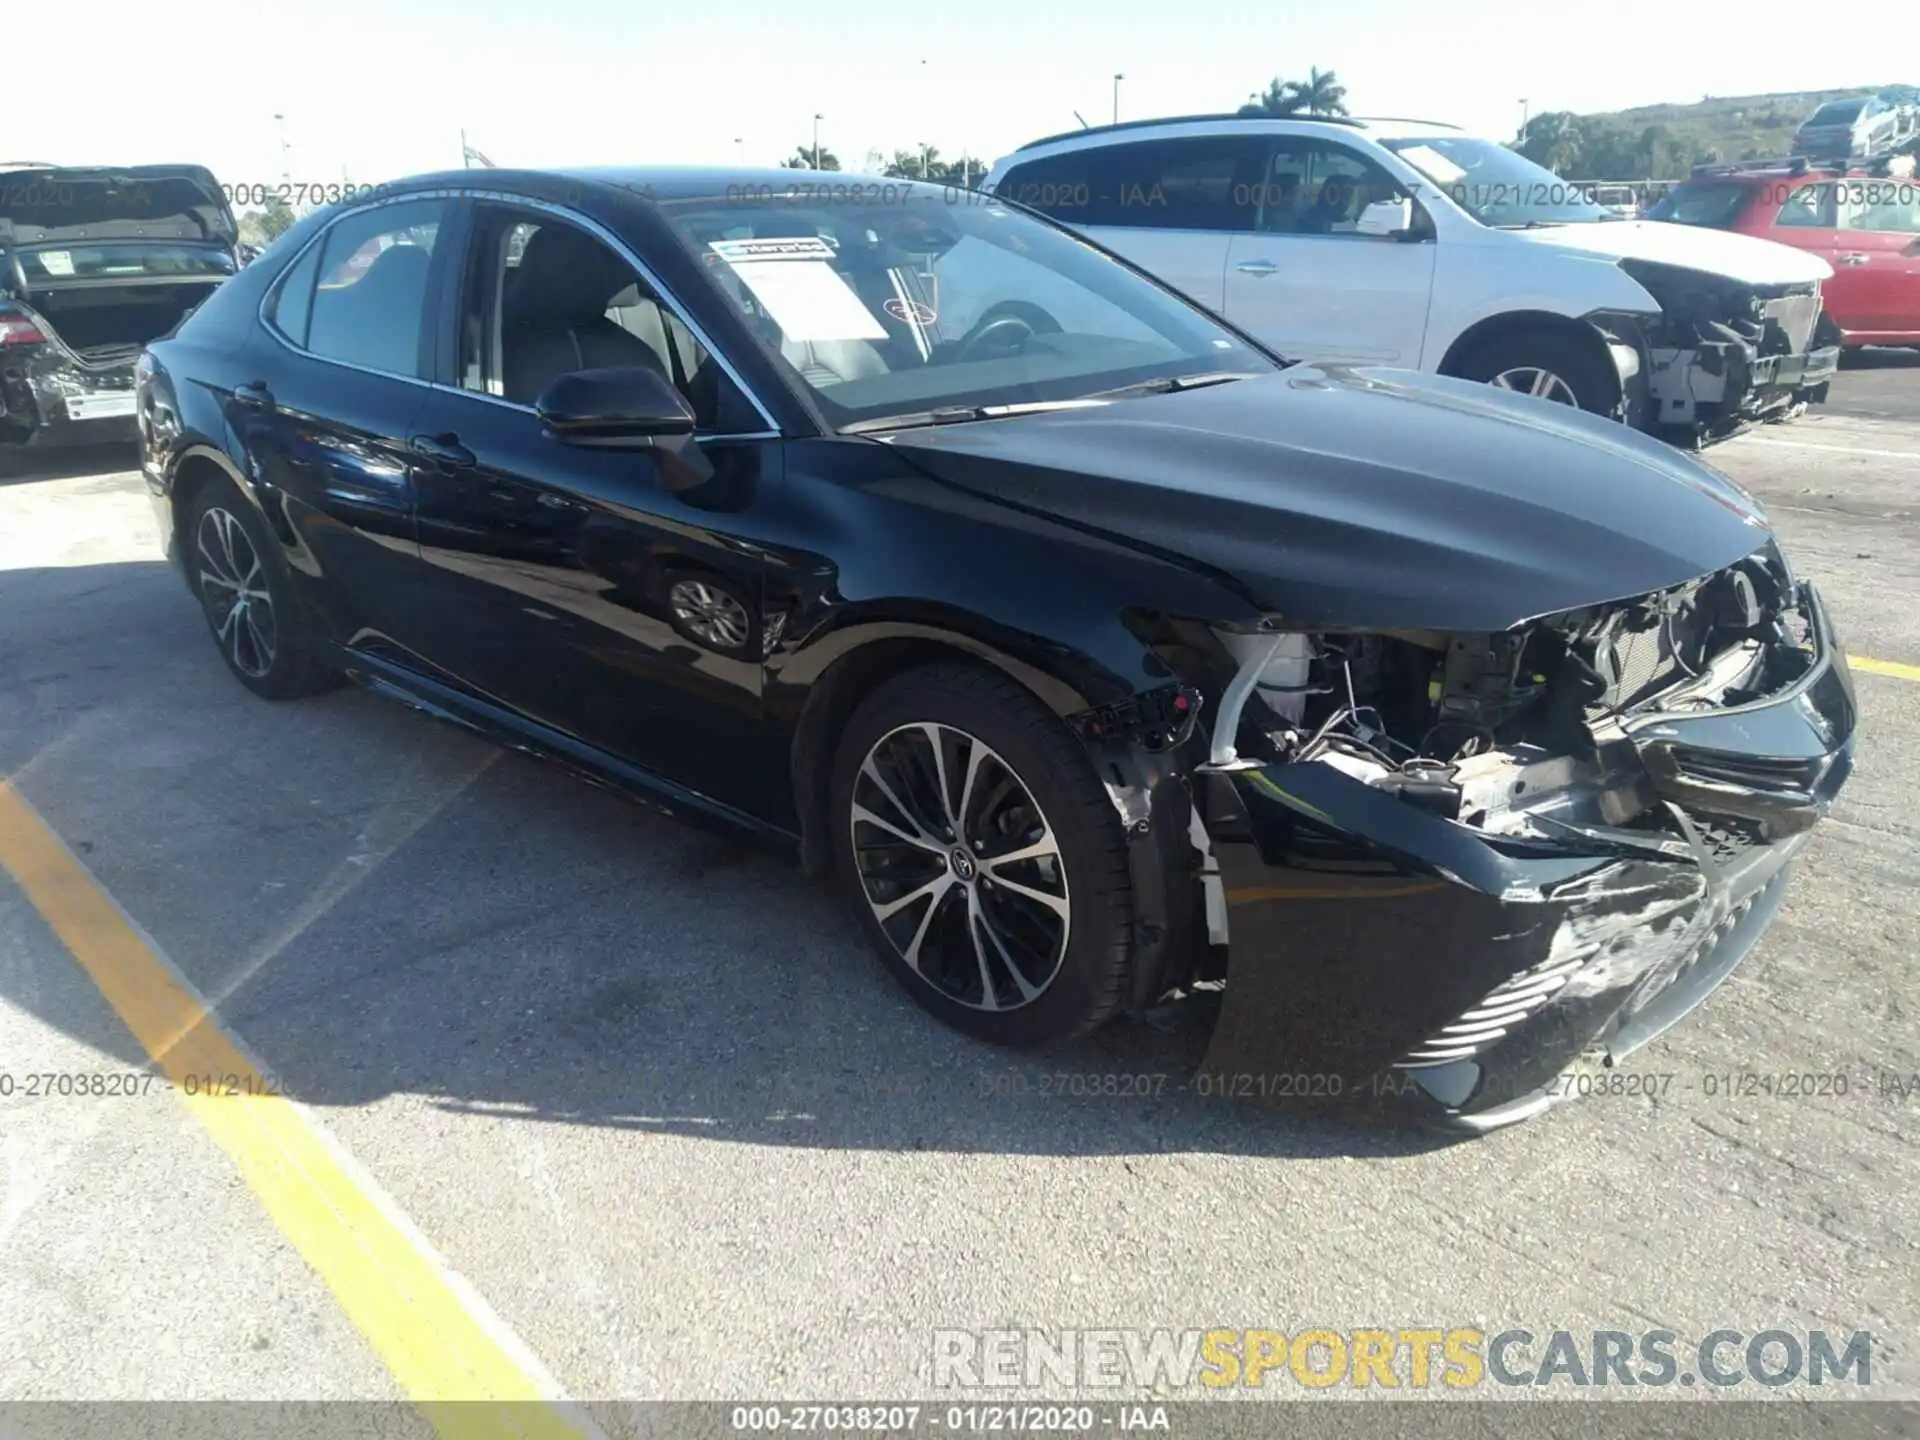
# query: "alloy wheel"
(1537, 382)
(710, 612)
(233, 588)
(960, 867)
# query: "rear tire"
(263, 633)
(1546, 365)
(991, 880)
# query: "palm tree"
(1320, 93)
(803, 157)
(1279, 99)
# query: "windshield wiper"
(1167, 384)
(961, 415)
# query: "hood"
(128, 202)
(1379, 499)
(1745, 258)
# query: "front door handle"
(254, 395)
(445, 450)
(1854, 257)
(1256, 267)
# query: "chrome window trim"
(594, 227)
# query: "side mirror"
(628, 408)
(1386, 218)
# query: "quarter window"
(370, 303)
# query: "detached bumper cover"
(1379, 951)
(56, 399)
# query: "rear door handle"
(1256, 267)
(445, 450)
(254, 395)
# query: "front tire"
(983, 857)
(1547, 366)
(261, 630)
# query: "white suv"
(1412, 244)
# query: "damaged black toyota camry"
(1461, 740)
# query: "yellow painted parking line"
(1884, 667)
(469, 1376)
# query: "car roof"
(668, 182)
(1378, 127)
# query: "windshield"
(50, 265)
(900, 299)
(1839, 113)
(1497, 186)
(1716, 204)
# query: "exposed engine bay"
(1722, 353)
(1517, 733)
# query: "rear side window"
(1715, 206)
(1200, 183)
(1811, 206)
(364, 300)
(1889, 207)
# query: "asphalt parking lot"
(642, 1093)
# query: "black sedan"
(1463, 740)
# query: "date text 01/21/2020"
(107, 1084)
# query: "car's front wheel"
(1547, 366)
(983, 857)
(248, 600)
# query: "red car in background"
(1862, 219)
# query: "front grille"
(1757, 772)
(1505, 1008)
(1727, 841)
(1791, 315)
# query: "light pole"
(816, 140)
(286, 163)
(1116, 96)
(1523, 119)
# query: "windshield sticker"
(807, 298)
(57, 262)
(797, 247)
(1437, 167)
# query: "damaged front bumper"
(1383, 953)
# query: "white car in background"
(1413, 244)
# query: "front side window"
(1497, 186)
(1811, 206)
(883, 306)
(1317, 187)
(368, 305)
(543, 298)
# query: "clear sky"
(380, 88)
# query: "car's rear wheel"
(1547, 366)
(248, 601)
(983, 857)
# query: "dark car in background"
(94, 263)
(1860, 125)
(1099, 653)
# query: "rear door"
(1304, 280)
(328, 407)
(1172, 206)
(1878, 255)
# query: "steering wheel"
(1006, 329)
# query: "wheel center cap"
(962, 863)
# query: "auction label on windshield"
(56, 262)
(808, 299)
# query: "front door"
(1307, 283)
(604, 594)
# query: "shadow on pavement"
(381, 905)
(19, 465)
